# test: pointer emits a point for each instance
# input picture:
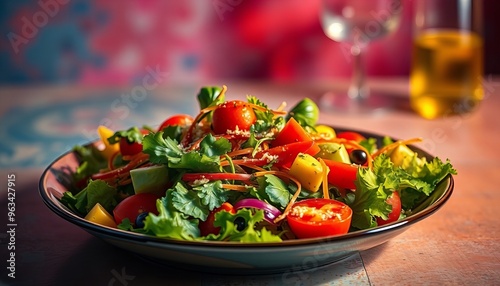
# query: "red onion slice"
(270, 212)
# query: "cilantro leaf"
(274, 190)
(265, 119)
(211, 194)
(170, 223)
(161, 150)
(166, 151)
(188, 202)
(209, 96)
(132, 135)
(211, 146)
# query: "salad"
(242, 171)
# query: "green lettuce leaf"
(229, 230)
(96, 191)
(414, 184)
(170, 223)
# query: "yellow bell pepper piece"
(100, 215)
(308, 171)
(109, 149)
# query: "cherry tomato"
(128, 149)
(232, 115)
(207, 227)
(395, 201)
(134, 205)
(351, 135)
(177, 120)
(319, 217)
(341, 175)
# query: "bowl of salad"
(244, 187)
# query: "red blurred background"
(115, 42)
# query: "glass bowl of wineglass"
(356, 23)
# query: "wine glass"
(355, 23)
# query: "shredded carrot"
(238, 188)
(326, 193)
(125, 182)
(240, 152)
(242, 162)
(111, 160)
(396, 144)
(282, 106)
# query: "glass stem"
(358, 89)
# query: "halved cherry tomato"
(293, 132)
(351, 135)
(134, 205)
(319, 217)
(232, 115)
(395, 201)
(207, 227)
(341, 175)
(177, 120)
(129, 149)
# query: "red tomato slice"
(395, 201)
(341, 175)
(287, 153)
(351, 135)
(293, 133)
(129, 149)
(177, 120)
(134, 205)
(319, 217)
(207, 227)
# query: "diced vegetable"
(292, 133)
(401, 156)
(153, 179)
(341, 175)
(334, 151)
(109, 149)
(308, 171)
(100, 216)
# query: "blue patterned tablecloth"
(38, 127)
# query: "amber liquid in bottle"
(446, 75)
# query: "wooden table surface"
(458, 245)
